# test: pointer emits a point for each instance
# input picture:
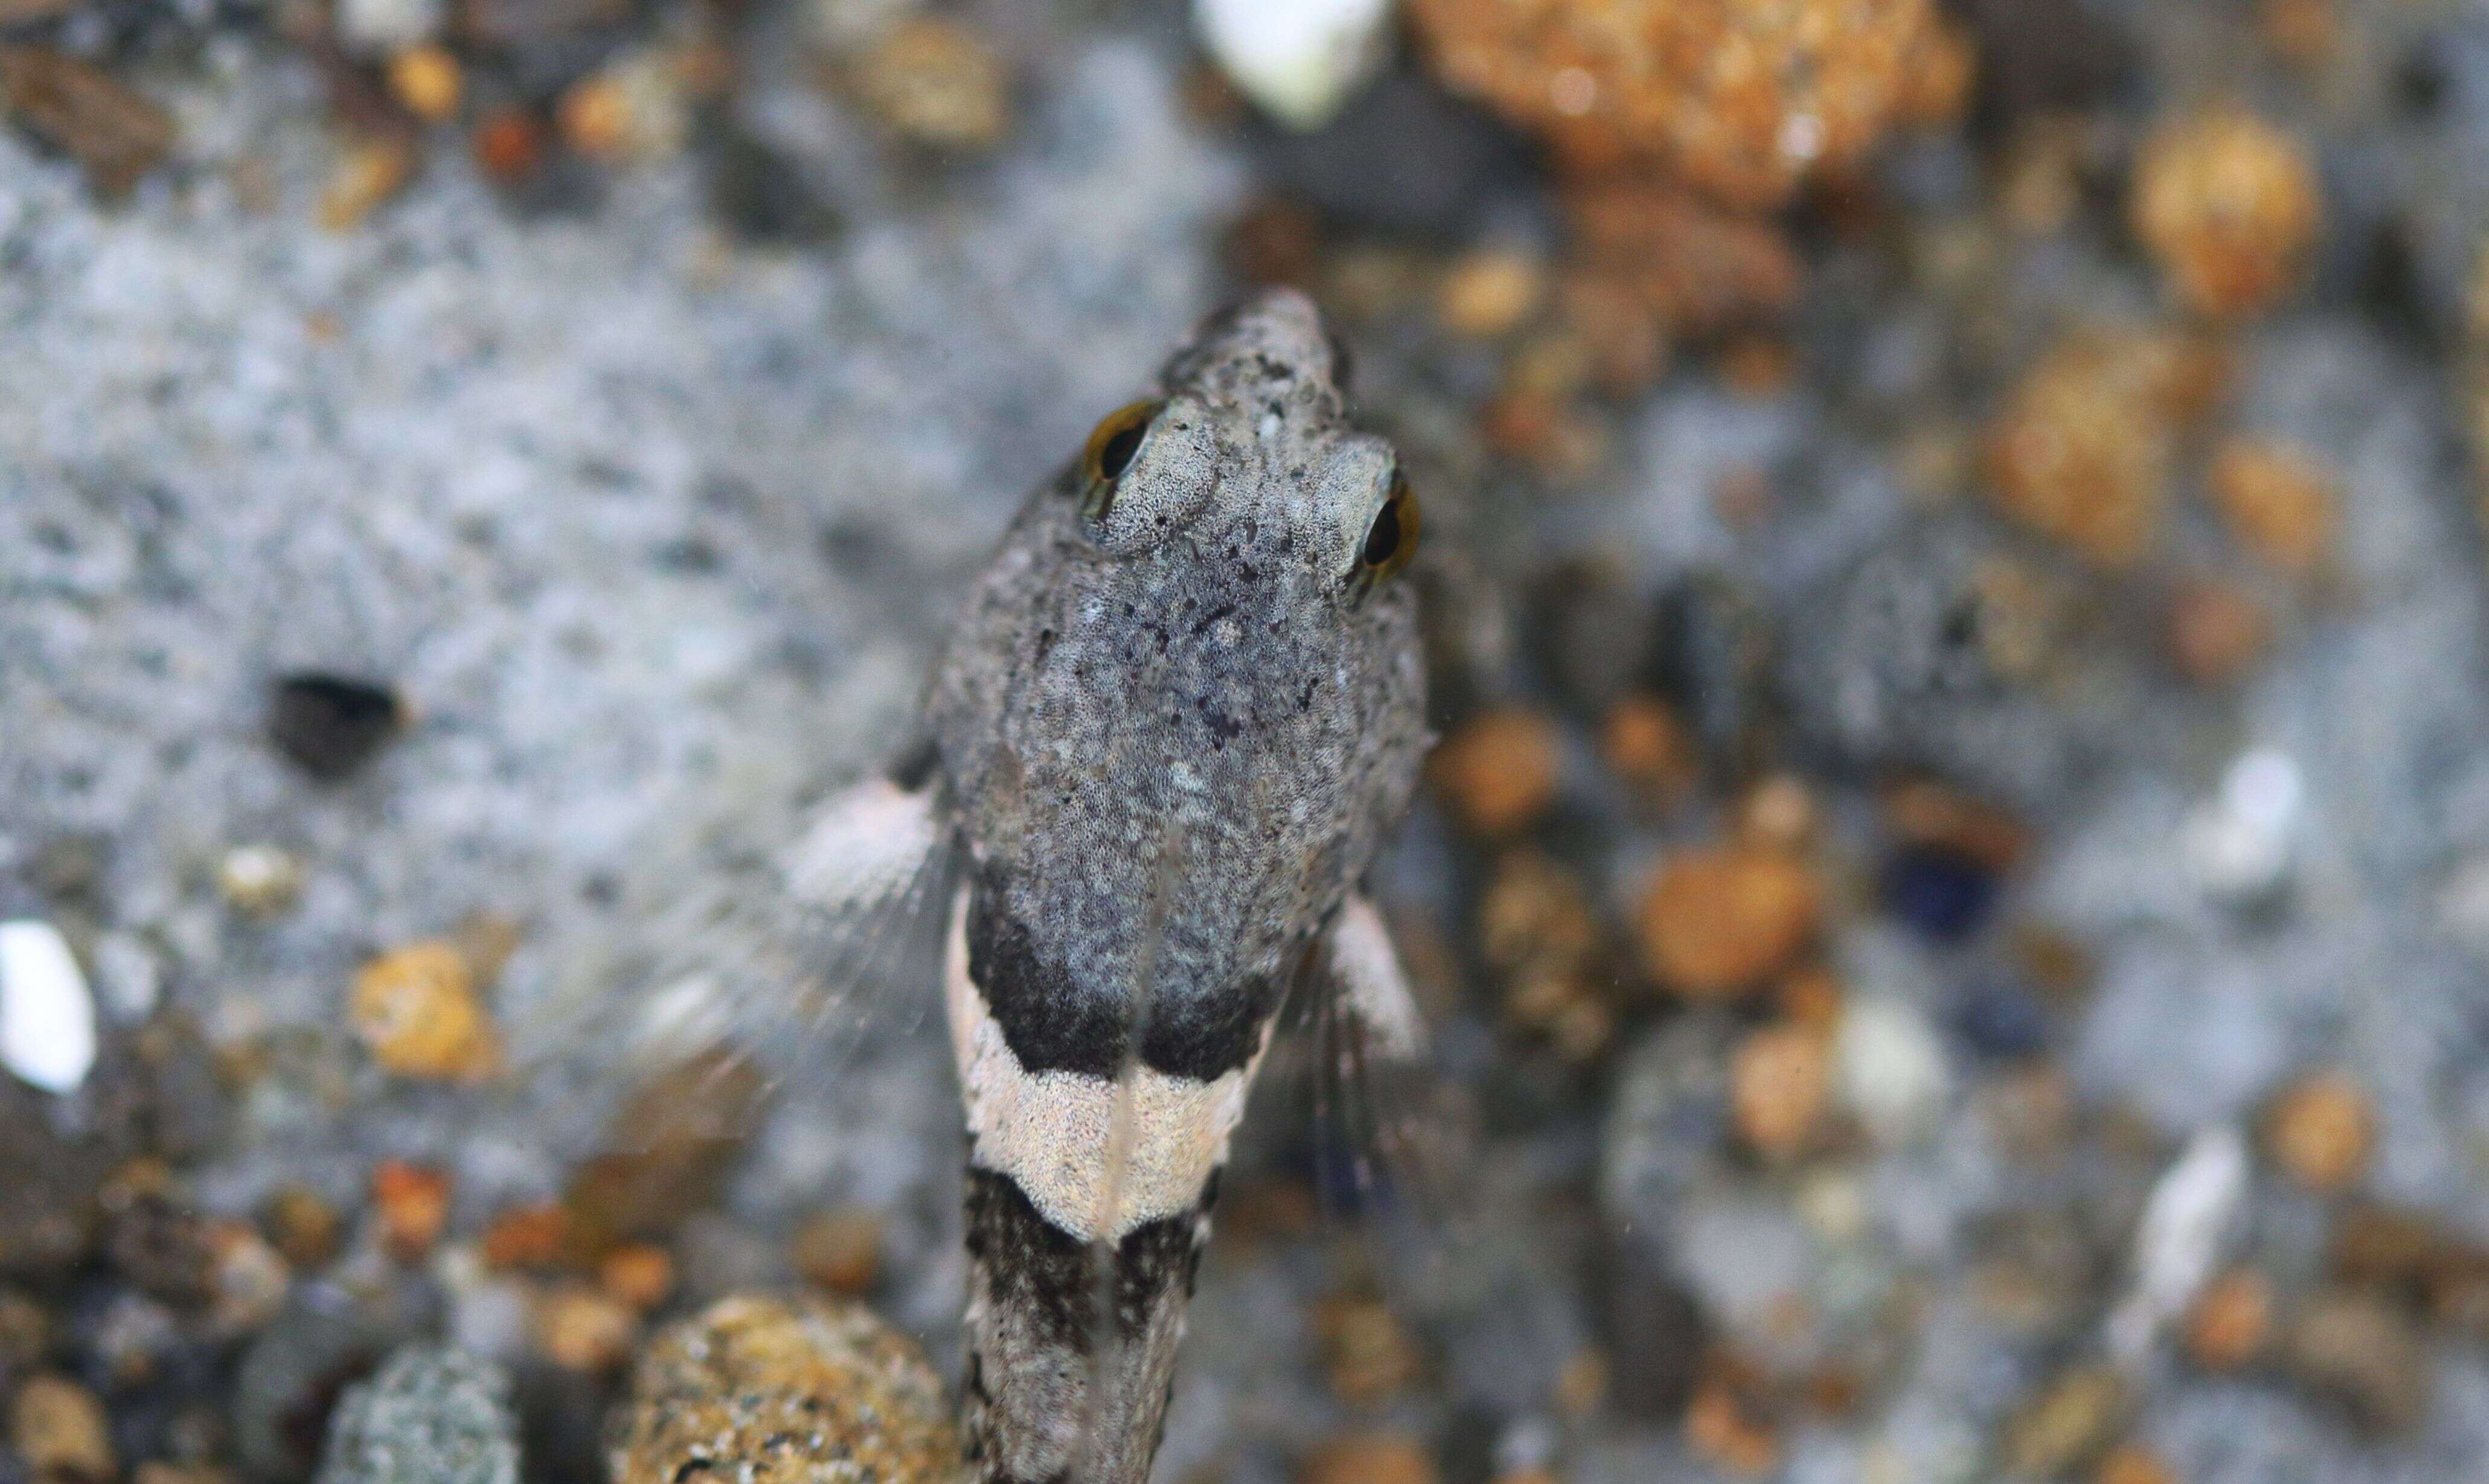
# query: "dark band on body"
(1054, 1023)
(1036, 1268)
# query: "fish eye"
(1113, 445)
(1391, 540)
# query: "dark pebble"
(290, 1380)
(329, 726)
(762, 195)
(1942, 894)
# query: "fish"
(1172, 724)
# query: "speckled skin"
(1169, 741)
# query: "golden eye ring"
(1112, 446)
(1391, 541)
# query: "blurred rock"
(329, 726)
(935, 82)
(260, 880)
(416, 1008)
(46, 1012)
(1499, 769)
(2229, 207)
(58, 1427)
(2360, 1352)
(815, 1391)
(2276, 501)
(1780, 1082)
(1370, 1458)
(290, 1380)
(840, 1250)
(428, 1415)
(2233, 1322)
(2082, 451)
(2067, 1424)
(1893, 1071)
(2320, 1130)
(1693, 267)
(1299, 59)
(1610, 81)
(114, 133)
(1715, 921)
(1889, 667)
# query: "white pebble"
(2180, 1238)
(46, 1015)
(1299, 59)
(369, 26)
(1894, 1075)
(2240, 843)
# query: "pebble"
(152, 1235)
(412, 1203)
(416, 1008)
(1368, 1458)
(582, 1327)
(1947, 897)
(840, 1250)
(1780, 1081)
(2320, 1130)
(638, 1273)
(2360, 1352)
(528, 1237)
(1687, 266)
(260, 880)
(2186, 1223)
(803, 1390)
(291, 1376)
(2216, 632)
(246, 1278)
(47, 1034)
(2229, 207)
(1300, 59)
(1646, 745)
(2304, 33)
(1717, 920)
(425, 78)
(1367, 1353)
(509, 146)
(1491, 293)
(25, 1335)
(2067, 1424)
(115, 134)
(1721, 1427)
(1933, 816)
(311, 731)
(2133, 1463)
(1746, 99)
(2238, 844)
(306, 1229)
(1499, 769)
(936, 82)
(1541, 938)
(429, 1416)
(329, 726)
(2276, 501)
(1893, 1071)
(2233, 1321)
(376, 26)
(58, 1427)
(2083, 450)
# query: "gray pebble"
(432, 1415)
